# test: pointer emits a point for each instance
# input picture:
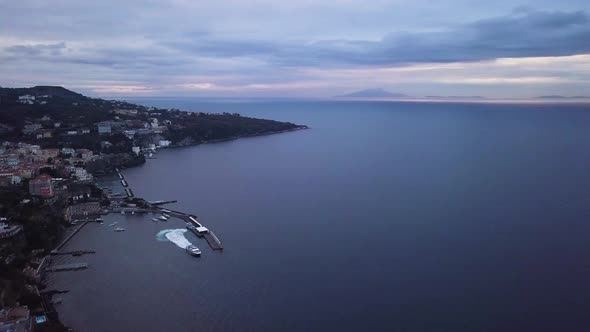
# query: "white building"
(164, 143)
(104, 128)
(82, 175)
(136, 150)
(26, 99)
(69, 151)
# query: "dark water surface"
(383, 216)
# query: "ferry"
(119, 229)
(193, 250)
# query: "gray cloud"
(159, 42)
(523, 33)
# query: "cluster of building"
(22, 161)
(30, 99)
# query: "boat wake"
(175, 236)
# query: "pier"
(67, 267)
(200, 230)
(69, 237)
(162, 202)
(73, 253)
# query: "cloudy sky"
(307, 48)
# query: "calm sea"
(381, 217)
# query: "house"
(12, 160)
(154, 122)
(104, 128)
(82, 175)
(26, 99)
(85, 154)
(41, 186)
(68, 151)
(8, 179)
(31, 128)
(50, 153)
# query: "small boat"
(98, 220)
(193, 250)
(119, 229)
(166, 215)
(113, 224)
(154, 219)
(162, 218)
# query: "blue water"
(381, 217)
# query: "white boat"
(119, 229)
(162, 218)
(154, 219)
(113, 224)
(193, 250)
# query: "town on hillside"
(53, 144)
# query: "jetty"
(198, 229)
(69, 237)
(162, 202)
(67, 267)
(73, 253)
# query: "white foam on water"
(175, 236)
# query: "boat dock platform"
(200, 231)
(162, 202)
(73, 253)
(67, 267)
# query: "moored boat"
(193, 250)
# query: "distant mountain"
(562, 97)
(455, 97)
(373, 93)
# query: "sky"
(290, 48)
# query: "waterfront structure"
(84, 209)
(41, 186)
(164, 143)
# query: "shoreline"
(301, 127)
(67, 238)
